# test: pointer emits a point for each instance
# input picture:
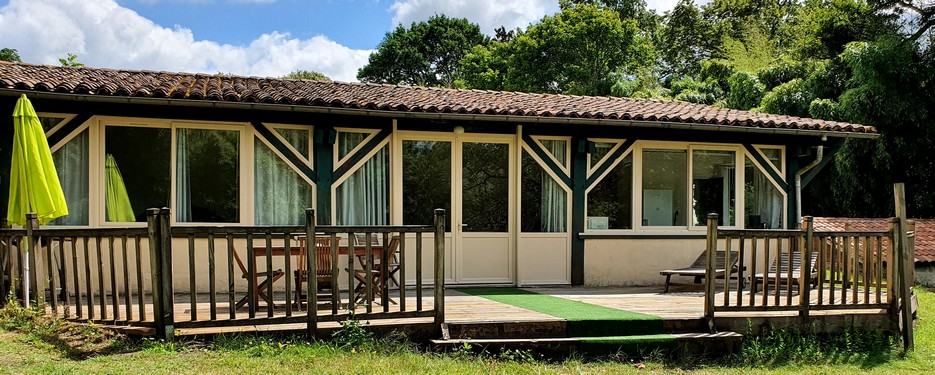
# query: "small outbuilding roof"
(924, 232)
(101, 84)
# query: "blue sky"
(243, 37)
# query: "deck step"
(695, 343)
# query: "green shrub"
(790, 98)
(783, 72)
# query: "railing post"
(805, 275)
(710, 254)
(168, 291)
(155, 263)
(439, 269)
(160, 260)
(903, 266)
(30, 254)
(311, 303)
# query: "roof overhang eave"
(434, 115)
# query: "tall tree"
(9, 54)
(919, 15)
(307, 75)
(575, 52)
(426, 54)
(684, 40)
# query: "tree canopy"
(307, 75)
(425, 54)
(9, 54)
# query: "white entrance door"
(484, 248)
(469, 176)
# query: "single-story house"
(923, 240)
(540, 189)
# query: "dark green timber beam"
(356, 157)
(579, 178)
(547, 159)
(324, 166)
(605, 166)
(792, 167)
(770, 171)
(68, 128)
(829, 153)
(267, 134)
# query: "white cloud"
(104, 34)
(489, 14)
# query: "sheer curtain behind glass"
(363, 199)
(553, 196)
(280, 195)
(762, 199)
(71, 163)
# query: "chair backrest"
(323, 255)
(781, 263)
(719, 262)
(391, 250)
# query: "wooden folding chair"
(780, 270)
(259, 287)
(376, 272)
(323, 262)
(698, 268)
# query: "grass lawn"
(51, 347)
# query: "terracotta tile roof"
(924, 232)
(226, 88)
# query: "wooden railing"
(801, 269)
(132, 276)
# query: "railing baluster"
(368, 271)
(139, 277)
(418, 271)
(87, 278)
(114, 292)
(100, 279)
(351, 290)
(384, 272)
(845, 279)
(753, 273)
(192, 287)
(793, 243)
(269, 273)
(231, 301)
(855, 285)
(867, 269)
(212, 278)
(52, 275)
(879, 270)
(251, 279)
(402, 270)
(727, 272)
(287, 259)
(75, 276)
(128, 296)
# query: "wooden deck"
(682, 308)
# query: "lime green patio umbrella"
(117, 200)
(34, 185)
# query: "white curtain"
(280, 194)
(183, 193)
(363, 199)
(768, 201)
(553, 196)
(71, 163)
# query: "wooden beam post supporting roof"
(792, 167)
(579, 178)
(325, 137)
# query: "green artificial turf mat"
(584, 319)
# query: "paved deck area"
(681, 303)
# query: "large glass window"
(426, 181)
(363, 199)
(763, 202)
(207, 175)
(544, 201)
(140, 162)
(713, 190)
(281, 195)
(71, 164)
(665, 181)
(610, 201)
